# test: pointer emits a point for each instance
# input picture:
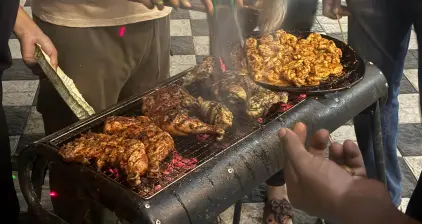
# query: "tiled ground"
(189, 42)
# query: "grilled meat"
(158, 143)
(203, 70)
(258, 105)
(109, 150)
(173, 109)
(215, 113)
(234, 89)
(283, 59)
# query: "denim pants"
(379, 30)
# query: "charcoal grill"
(225, 172)
(249, 157)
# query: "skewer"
(341, 28)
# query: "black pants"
(11, 210)
(300, 16)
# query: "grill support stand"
(375, 118)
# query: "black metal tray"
(353, 69)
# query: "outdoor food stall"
(188, 149)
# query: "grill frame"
(184, 202)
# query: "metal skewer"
(341, 28)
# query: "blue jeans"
(379, 31)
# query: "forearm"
(368, 201)
(23, 21)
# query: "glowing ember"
(202, 137)
(222, 65)
(122, 31)
(53, 194)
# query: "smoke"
(271, 16)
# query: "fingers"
(48, 47)
(175, 3)
(28, 49)
(239, 3)
(353, 158)
(159, 4)
(300, 130)
(319, 142)
(148, 3)
(209, 6)
(186, 3)
(336, 153)
(293, 145)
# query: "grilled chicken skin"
(234, 89)
(173, 109)
(107, 150)
(158, 143)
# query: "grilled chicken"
(173, 109)
(215, 113)
(234, 89)
(158, 143)
(109, 150)
(203, 70)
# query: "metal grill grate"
(194, 150)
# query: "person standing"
(14, 18)
(380, 31)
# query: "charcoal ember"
(202, 137)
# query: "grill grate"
(190, 152)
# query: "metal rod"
(237, 212)
(377, 143)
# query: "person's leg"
(9, 198)
(379, 31)
(154, 66)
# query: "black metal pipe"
(377, 143)
(237, 212)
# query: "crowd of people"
(81, 37)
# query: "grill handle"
(26, 158)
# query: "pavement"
(189, 43)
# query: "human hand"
(30, 34)
(315, 184)
(180, 3)
(333, 9)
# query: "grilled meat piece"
(107, 150)
(233, 88)
(173, 109)
(216, 113)
(179, 123)
(158, 143)
(203, 70)
(259, 104)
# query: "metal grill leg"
(237, 212)
(377, 143)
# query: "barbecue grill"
(225, 171)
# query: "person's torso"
(8, 12)
(94, 13)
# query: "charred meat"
(158, 143)
(174, 110)
(203, 70)
(128, 155)
(236, 90)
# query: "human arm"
(322, 188)
(30, 34)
